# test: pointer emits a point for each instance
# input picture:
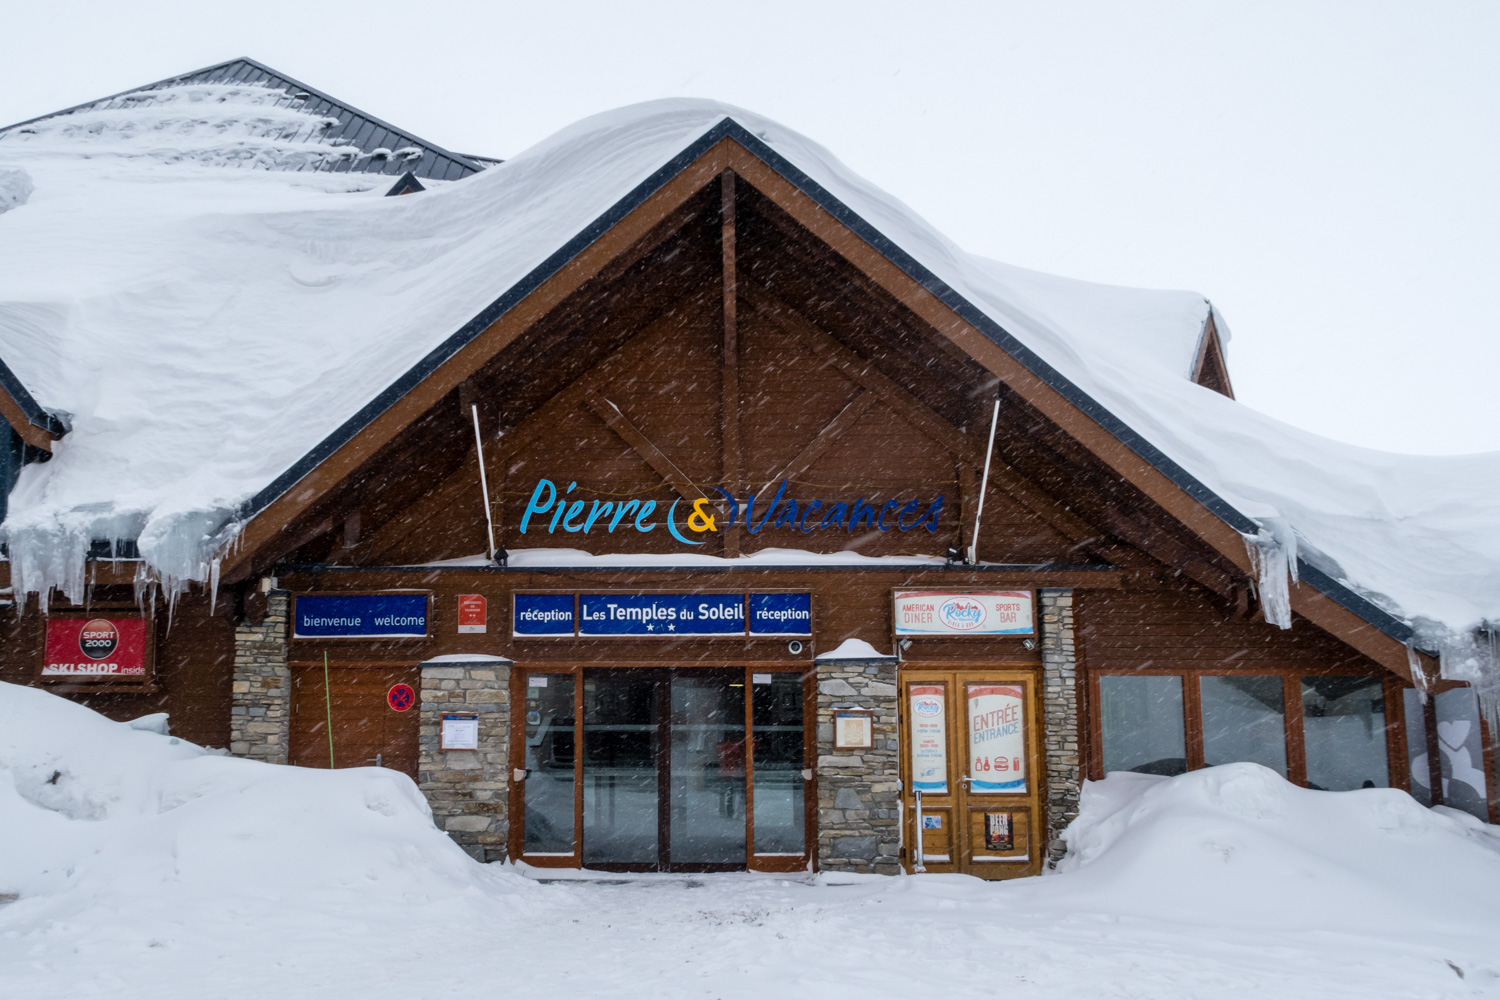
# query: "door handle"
(965, 780)
(375, 759)
(518, 774)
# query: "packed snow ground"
(148, 867)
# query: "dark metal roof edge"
(729, 128)
(1353, 602)
(456, 157)
(36, 414)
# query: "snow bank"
(199, 325)
(15, 188)
(94, 814)
(1239, 846)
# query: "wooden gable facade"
(730, 345)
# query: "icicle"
(1274, 563)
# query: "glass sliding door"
(706, 821)
(550, 741)
(780, 805)
(621, 764)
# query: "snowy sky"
(1325, 172)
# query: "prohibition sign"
(400, 697)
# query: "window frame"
(1291, 693)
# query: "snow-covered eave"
(728, 128)
(36, 425)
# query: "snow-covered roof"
(242, 113)
(207, 330)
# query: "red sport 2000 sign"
(96, 649)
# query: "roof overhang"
(729, 146)
(36, 426)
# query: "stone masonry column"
(468, 789)
(260, 703)
(1060, 706)
(859, 791)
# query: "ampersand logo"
(698, 520)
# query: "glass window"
(1343, 727)
(1416, 746)
(780, 822)
(620, 729)
(1244, 718)
(708, 769)
(1142, 724)
(549, 764)
(1464, 785)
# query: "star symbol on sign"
(650, 628)
(671, 628)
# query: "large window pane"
(776, 707)
(620, 724)
(1142, 723)
(1459, 743)
(708, 769)
(1244, 719)
(1343, 726)
(1416, 746)
(549, 764)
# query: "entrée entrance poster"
(929, 739)
(997, 738)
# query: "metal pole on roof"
(989, 451)
(484, 485)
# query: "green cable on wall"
(328, 701)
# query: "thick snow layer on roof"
(205, 328)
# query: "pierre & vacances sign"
(557, 511)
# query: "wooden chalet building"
(714, 540)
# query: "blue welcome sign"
(356, 616)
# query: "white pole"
(921, 865)
(984, 484)
(484, 485)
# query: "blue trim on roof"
(36, 414)
(731, 129)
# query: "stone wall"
(859, 797)
(1060, 707)
(468, 789)
(260, 704)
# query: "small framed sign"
(459, 731)
(853, 729)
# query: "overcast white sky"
(1325, 172)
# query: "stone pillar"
(468, 789)
(260, 712)
(1060, 705)
(859, 791)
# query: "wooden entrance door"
(366, 729)
(970, 744)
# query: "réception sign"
(94, 649)
(978, 612)
(663, 615)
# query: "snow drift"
(205, 328)
(95, 813)
(1239, 846)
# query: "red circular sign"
(98, 638)
(401, 697)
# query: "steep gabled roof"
(318, 316)
(358, 142)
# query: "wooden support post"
(654, 456)
(730, 404)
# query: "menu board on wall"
(997, 738)
(929, 739)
